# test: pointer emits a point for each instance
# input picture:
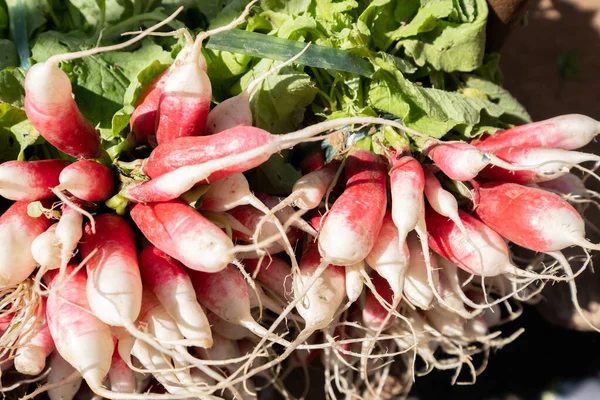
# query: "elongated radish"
(416, 287)
(82, 339)
(354, 280)
(120, 376)
(227, 329)
(52, 110)
(184, 105)
(226, 294)
(235, 111)
(373, 313)
(407, 183)
(59, 371)
(172, 286)
(184, 234)
(37, 344)
(556, 162)
(313, 161)
(448, 241)
(285, 214)
(568, 132)
(114, 284)
(532, 218)
(185, 162)
(309, 190)
(68, 233)
(568, 184)
(386, 257)
(17, 232)
(45, 249)
(87, 180)
(355, 217)
(30, 180)
(273, 272)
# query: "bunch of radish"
(206, 289)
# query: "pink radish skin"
(143, 118)
(60, 369)
(53, 113)
(37, 345)
(184, 234)
(45, 249)
(407, 183)
(114, 284)
(373, 313)
(184, 104)
(68, 233)
(460, 161)
(446, 239)
(172, 286)
(30, 180)
(274, 273)
(17, 232)
(532, 218)
(567, 132)
(87, 180)
(83, 340)
(120, 376)
(416, 286)
(356, 218)
(562, 161)
(386, 257)
(232, 112)
(225, 293)
(197, 150)
(314, 161)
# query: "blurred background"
(551, 64)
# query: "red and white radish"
(568, 132)
(417, 289)
(375, 315)
(50, 106)
(184, 234)
(87, 180)
(172, 286)
(68, 233)
(121, 377)
(114, 284)
(35, 344)
(357, 215)
(273, 272)
(17, 232)
(30, 180)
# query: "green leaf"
(279, 104)
(263, 46)
(12, 91)
(289, 7)
(16, 133)
(451, 46)
(8, 54)
(26, 135)
(514, 112)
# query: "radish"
(227, 329)
(568, 132)
(407, 183)
(285, 214)
(45, 250)
(273, 272)
(532, 218)
(185, 102)
(37, 344)
(173, 287)
(555, 163)
(120, 376)
(462, 161)
(87, 180)
(83, 340)
(355, 217)
(568, 184)
(30, 180)
(61, 370)
(68, 233)
(417, 290)
(235, 111)
(354, 280)
(374, 315)
(184, 234)
(17, 232)
(226, 294)
(386, 257)
(114, 284)
(52, 110)
(312, 162)
(179, 165)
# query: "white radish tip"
(48, 84)
(189, 78)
